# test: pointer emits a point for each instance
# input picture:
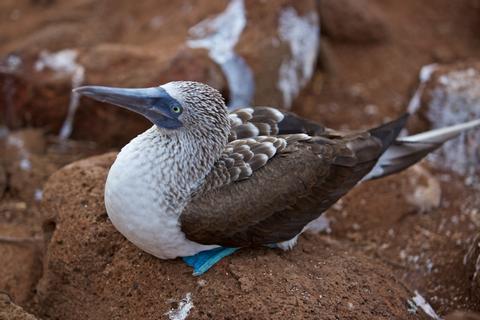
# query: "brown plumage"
(272, 203)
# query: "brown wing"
(292, 189)
(243, 157)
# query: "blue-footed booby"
(203, 182)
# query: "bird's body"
(144, 199)
(203, 178)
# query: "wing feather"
(282, 191)
(265, 189)
(253, 122)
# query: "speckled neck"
(175, 163)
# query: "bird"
(204, 181)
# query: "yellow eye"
(176, 109)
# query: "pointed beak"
(153, 103)
(137, 100)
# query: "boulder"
(92, 272)
(359, 21)
(280, 44)
(449, 95)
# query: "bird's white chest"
(140, 207)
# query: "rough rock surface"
(91, 271)
(10, 311)
(424, 248)
(358, 21)
(29, 157)
(449, 95)
(21, 262)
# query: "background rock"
(29, 157)
(91, 271)
(353, 21)
(449, 95)
(21, 262)
(10, 311)
(280, 44)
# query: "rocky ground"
(405, 247)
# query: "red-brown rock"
(91, 271)
(353, 21)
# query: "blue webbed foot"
(204, 260)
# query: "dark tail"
(388, 132)
(407, 151)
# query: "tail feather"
(388, 132)
(407, 151)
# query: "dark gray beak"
(153, 103)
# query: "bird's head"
(179, 106)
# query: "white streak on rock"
(418, 301)
(63, 62)
(302, 36)
(183, 309)
(425, 75)
(220, 35)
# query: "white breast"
(138, 203)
